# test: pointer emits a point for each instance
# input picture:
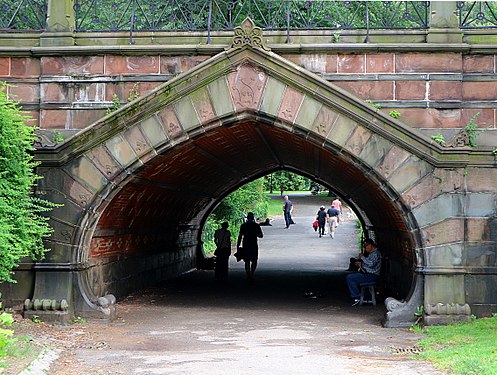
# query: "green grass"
(464, 348)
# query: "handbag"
(239, 255)
(315, 225)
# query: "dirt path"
(295, 319)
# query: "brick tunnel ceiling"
(180, 183)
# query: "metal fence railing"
(215, 15)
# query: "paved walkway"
(295, 319)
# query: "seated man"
(369, 270)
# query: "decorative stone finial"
(249, 34)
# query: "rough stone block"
(379, 63)
(102, 159)
(4, 66)
(290, 104)
(375, 150)
(64, 65)
(438, 209)
(481, 289)
(221, 97)
(444, 289)
(137, 141)
(273, 94)
(478, 64)
(351, 63)
(357, 141)
(25, 67)
(372, 90)
(428, 62)
(410, 90)
(80, 119)
(25, 92)
(472, 91)
(411, 171)
(308, 113)
(203, 106)
(481, 205)
(247, 86)
(447, 231)
(342, 129)
(314, 63)
(441, 180)
(392, 160)
(86, 173)
(170, 122)
(445, 90)
(131, 64)
(445, 256)
(153, 130)
(482, 256)
(481, 180)
(121, 151)
(186, 114)
(89, 92)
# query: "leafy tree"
(286, 180)
(22, 226)
(233, 209)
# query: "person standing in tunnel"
(369, 270)
(222, 239)
(250, 231)
(321, 218)
(287, 211)
(337, 204)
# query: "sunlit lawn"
(276, 200)
(463, 349)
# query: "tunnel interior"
(151, 226)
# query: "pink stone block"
(104, 161)
(445, 90)
(55, 119)
(4, 66)
(431, 117)
(351, 64)
(85, 117)
(428, 62)
(246, 85)
(203, 106)
(380, 63)
(479, 90)
(62, 65)
(324, 121)
(393, 159)
(25, 67)
(448, 231)
(373, 90)
(290, 104)
(131, 64)
(54, 93)
(410, 90)
(478, 64)
(25, 92)
(170, 122)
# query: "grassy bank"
(463, 349)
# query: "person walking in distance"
(337, 204)
(332, 219)
(222, 239)
(287, 211)
(250, 231)
(321, 218)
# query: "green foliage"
(134, 93)
(420, 311)
(248, 198)
(56, 136)
(494, 151)
(439, 138)
(471, 129)
(6, 339)
(36, 319)
(370, 102)
(394, 114)
(78, 319)
(22, 226)
(336, 37)
(464, 348)
(116, 103)
(286, 181)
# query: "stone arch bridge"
(138, 184)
